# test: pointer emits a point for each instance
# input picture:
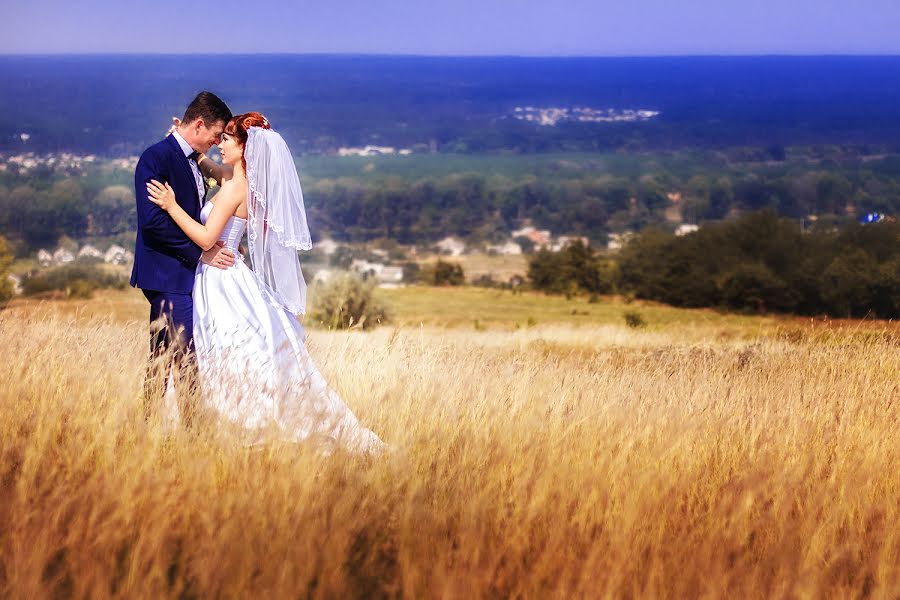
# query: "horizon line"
(451, 56)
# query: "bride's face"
(230, 149)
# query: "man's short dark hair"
(209, 107)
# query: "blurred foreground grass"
(703, 455)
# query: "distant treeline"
(757, 263)
(577, 198)
(480, 208)
(37, 213)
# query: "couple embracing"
(227, 332)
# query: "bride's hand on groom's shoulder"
(161, 194)
(175, 123)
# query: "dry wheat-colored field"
(552, 461)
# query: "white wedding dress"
(255, 370)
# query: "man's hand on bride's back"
(218, 256)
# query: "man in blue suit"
(165, 259)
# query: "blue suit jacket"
(165, 259)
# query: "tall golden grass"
(548, 462)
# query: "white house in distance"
(88, 251)
(451, 246)
(63, 256)
(387, 276)
(44, 258)
(615, 241)
(373, 151)
(363, 267)
(686, 228)
(324, 275)
(327, 246)
(540, 238)
(551, 115)
(118, 255)
(390, 277)
(566, 240)
(509, 248)
(115, 255)
(16, 282)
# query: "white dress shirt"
(195, 168)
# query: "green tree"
(753, 286)
(573, 269)
(608, 276)
(411, 272)
(886, 290)
(721, 198)
(833, 191)
(525, 243)
(848, 284)
(641, 264)
(696, 201)
(113, 211)
(342, 257)
(547, 271)
(442, 273)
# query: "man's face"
(203, 136)
(210, 136)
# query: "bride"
(254, 367)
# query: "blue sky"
(454, 27)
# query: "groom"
(165, 259)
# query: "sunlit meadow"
(536, 456)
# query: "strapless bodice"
(234, 228)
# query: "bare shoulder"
(234, 195)
(233, 191)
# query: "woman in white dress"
(254, 367)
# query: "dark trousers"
(172, 349)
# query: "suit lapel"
(185, 166)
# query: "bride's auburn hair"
(238, 126)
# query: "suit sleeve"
(156, 226)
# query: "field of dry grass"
(476, 308)
(704, 457)
(476, 264)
